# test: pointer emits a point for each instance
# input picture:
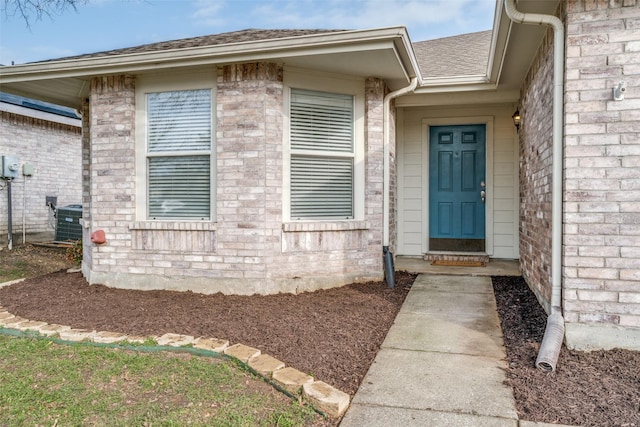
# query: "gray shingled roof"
(464, 55)
(461, 55)
(209, 40)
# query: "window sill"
(325, 226)
(173, 226)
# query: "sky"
(111, 24)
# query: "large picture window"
(322, 155)
(179, 154)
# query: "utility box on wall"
(68, 223)
(10, 167)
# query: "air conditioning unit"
(68, 223)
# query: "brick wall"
(248, 249)
(249, 146)
(54, 150)
(602, 189)
(601, 201)
(536, 172)
(87, 247)
(374, 143)
(111, 177)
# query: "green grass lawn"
(44, 383)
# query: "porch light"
(517, 119)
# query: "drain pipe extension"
(389, 271)
(554, 332)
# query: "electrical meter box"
(68, 223)
(10, 167)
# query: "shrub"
(74, 253)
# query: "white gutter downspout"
(386, 183)
(554, 333)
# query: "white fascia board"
(499, 39)
(256, 50)
(445, 84)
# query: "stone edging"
(319, 394)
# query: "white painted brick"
(592, 284)
(599, 273)
(630, 274)
(584, 261)
(581, 129)
(628, 297)
(622, 308)
(597, 295)
(584, 306)
(631, 321)
(570, 294)
(622, 285)
(603, 251)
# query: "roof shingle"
(233, 37)
(463, 55)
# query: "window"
(322, 155)
(178, 154)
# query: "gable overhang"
(512, 50)
(383, 53)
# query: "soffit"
(523, 43)
(512, 49)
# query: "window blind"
(179, 187)
(321, 121)
(178, 180)
(321, 187)
(322, 149)
(179, 121)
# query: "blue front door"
(457, 188)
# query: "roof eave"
(323, 43)
(65, 82)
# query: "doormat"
(452, 263)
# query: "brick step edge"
(437, 256)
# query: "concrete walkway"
(441, 363)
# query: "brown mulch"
(331, 334)
(598, 388)
(335, 334)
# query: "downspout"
(386, 183)
(554, 332)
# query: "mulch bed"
(335, 334)
(332, 334)
(598, 388)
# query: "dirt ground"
(335, 334)
(28, 260)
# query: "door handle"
(483, 195)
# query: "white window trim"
(163, 83)
(324, 82)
